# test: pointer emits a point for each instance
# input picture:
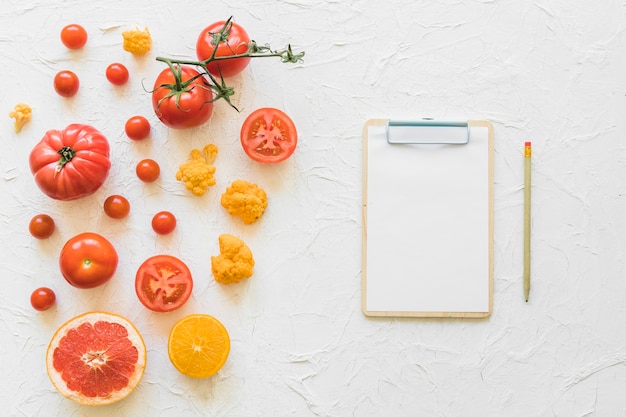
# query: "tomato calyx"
(67, 154)
(217, 84)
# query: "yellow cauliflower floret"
(22, 113)
(235, 261)
(198, 173)
(245, 200)
(137, 41)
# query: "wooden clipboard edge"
(425, 314)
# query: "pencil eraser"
(527, 144)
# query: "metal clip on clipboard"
(427, 131)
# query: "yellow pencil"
(527, 157)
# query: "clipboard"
(427, 242)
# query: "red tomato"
(163, 283)
(66, 83)
(137, 128)
(148, 170)
(42, 298)
(236, 44)
(163, 222)
(184, 104)
(41, 226)
(117, 74)
(269, 136)
(74, 36)
(116, 206)
(70, 163)
(88, 260)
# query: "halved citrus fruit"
(96, 358)
(198, 345)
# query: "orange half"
(96, 358)
(198, 345)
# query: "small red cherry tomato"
(268, 136)
(116, 206)
(137, 128)
(74, 36)
(42, 298)
(88, 260)
(117, 74)
(148, 170)
(66, 83)
(163, 283)
(163, 222)
(41, 226)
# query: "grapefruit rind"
(187, 346)
(92, 317)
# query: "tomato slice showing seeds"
(268, 136)
(163, 283)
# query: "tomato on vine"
(182, 98)
(66, 83)
(214, 43)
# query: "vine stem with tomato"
(217, 84)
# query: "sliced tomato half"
(268, 136)
(163, 283)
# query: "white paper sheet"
(427, 226)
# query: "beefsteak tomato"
(268, 136)
(163, 283)
(70, 163)
(182, 98)
(88, 260)
(235, 42)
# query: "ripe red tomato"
(116, 206)
(148, 170)
(236, 44)
(269, 136)
(117, 74)
(70, 163)
(74, 36)
(88, 260)
(41, 226)
(42, 298)
(185, 104)
(163, 222)
(66, 83)
(137, 128)
(163, 283)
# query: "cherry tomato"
(116, 206)
(74, 36)
(148, 170)
(42, 298)
(41, 226)
(66, 83)
(88, 260)
(269, 136)
(117, 74)
(163, 222)
(236, 44)
(137, 128)
(163, 283)
(185, 104)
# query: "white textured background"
(553, 72)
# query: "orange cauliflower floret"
(235, 261)
(137, 41)
(245, 200)
(198, 173)
(22, 113)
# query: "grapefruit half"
(96, 358)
